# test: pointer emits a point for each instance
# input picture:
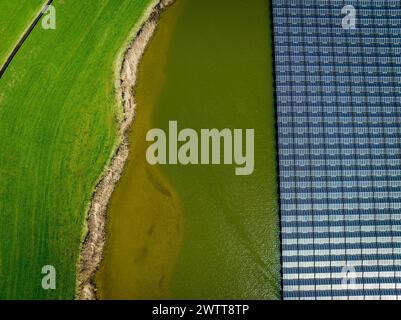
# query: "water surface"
(200, 232)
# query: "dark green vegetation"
(58, 130)
(209, 65)
(15, 17)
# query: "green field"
(15, 16)
(58, 131)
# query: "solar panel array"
(338, 94)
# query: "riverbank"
(144, 228)
(92, 249)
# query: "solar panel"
(338, 81)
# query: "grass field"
(15, 17)
(58, 130)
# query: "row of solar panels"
(339, 143)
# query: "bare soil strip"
(92, 249)
(23, 38)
